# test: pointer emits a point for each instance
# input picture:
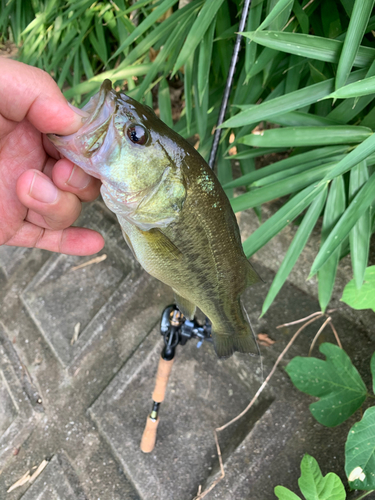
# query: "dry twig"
(27, 478)
(308, 320)
(95, 260)
(318, 334)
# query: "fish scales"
(173, 211)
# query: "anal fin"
(185, 306)
(252, 277)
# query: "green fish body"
(173, 212)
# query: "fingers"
(71, 241)
(57, 209)
(69, 177)
(28, 92)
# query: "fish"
(173, 212)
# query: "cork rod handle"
(162, 376)
(149, 435)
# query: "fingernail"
(78, 111)
(42, 189)
(78, 178)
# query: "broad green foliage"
(335, 381)
(313, 485)
(342, 392)
(360, 453)
(364, 297)
(306, 68)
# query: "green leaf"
(363, 87)
(316, 487)
(313, 485)
(164, 100)
(302, 17)
(264, 58)
(164, 29)
(331, 20)
(254, 153)
(149, 21)
(102, 46)
(364, 297)
(188, 86)
(285, 494)
(357, 207)
(286, 214)
(280, 188)
(307, 136)
(86, 63)
(224, 169)
(295, 248)
(335, 381)
(360, 453)
(318, 155)
(113, 74)
(335, 206)
(201, 106)
(360, 153)
(283, 174)
(289, 102)
(204, 61)
(280, 7)
(297, 118)
(361, 233)
(199, 28)
(253, 21)
(294, 72)
(314, 47)
(356, 29)
(169, 50)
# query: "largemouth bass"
(173, 212)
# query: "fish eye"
(137, 134)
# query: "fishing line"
(223, 109)
(256, 342)
(228, 85)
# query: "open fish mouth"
(100, 109)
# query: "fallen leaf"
(77, 328)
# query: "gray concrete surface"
(82, 405)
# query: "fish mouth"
(100, 109)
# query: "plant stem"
(364, 495)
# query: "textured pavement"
(76, 403)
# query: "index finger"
(28, 92)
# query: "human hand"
(40, 194)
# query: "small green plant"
(363, 297)
(313, 485)
(342, 392)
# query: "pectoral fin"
(185, 306)
(162, 245)
(129, 243)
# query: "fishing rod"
(175, 327)
(176, 330)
